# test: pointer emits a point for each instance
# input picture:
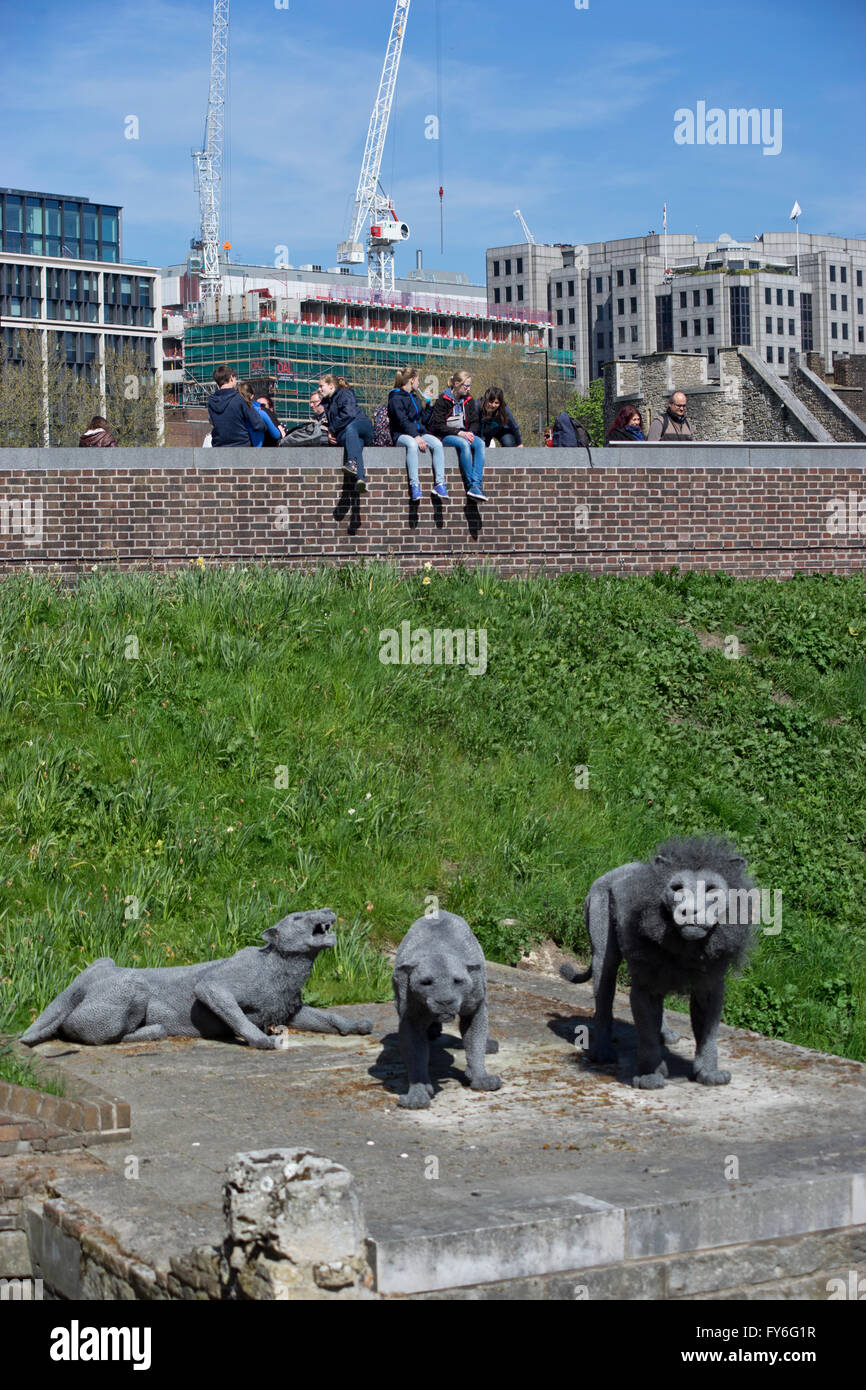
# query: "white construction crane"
(526, 232)
(209, 161)
(371, 202)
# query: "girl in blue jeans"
(406, 411)
(347, 425)
(455, 420)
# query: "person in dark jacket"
(347, 425)
(265, 428)
(407, 412)
(627, 428)
(231, 418)
(97, 435)
(673, 426)
(454, 419)
(498, 425)
(266, 405)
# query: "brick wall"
(751, 510)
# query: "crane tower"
(372, 205)
(209, 161)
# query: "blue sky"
(567, 114)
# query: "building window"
(859, 306)
(618, 278)
(806, 336)
(620, 306)
(696, 297)
(684, 328)
(609, 284)
(508, 267)
(844, 330)
(711, 354)
(571, 316)
(768, 296)
(572, 343)
(496, 295)
(519, 265)
(832, 301)
(832, 272)
(781, 354)
(859, 335)
(697, 328)
(769, 354)
(495, 269)
(571, 289)
(559, 289)
(741, 324)
(598, 284)
(519, 291)
(559, 316)
(791, 328)
(632, 276)
(684, 299)
(780, 326)
(834, 330)
(632, 305)
(664, 323)
(711, 327)
(507, 294)
(709, 296)
(634, 332)
(859, 279)
(559, 343)
(790, 299)
(843, 274)
(780, 298)
(768, 324)
(620, 335)
(844, 298)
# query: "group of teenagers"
(425, 428)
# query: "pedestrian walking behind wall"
(231, 417)
(264, 425)
(97, 435)
(627, 428)
(497, 424)
(407, 412)
(673, 425)
(266, 405)
(455, 420)
(347, 425)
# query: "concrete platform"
(566, 1168)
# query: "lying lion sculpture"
(680, 921)
(439, 972)
(243, 995)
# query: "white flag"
(796, 210)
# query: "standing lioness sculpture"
(439, 972)
(242, 995)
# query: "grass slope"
(186, 758)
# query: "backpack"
(313, 432)
(569, 433)
(381, 428)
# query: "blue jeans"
(471, 457)
(434, 447)
(358, 433)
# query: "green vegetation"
(187, 758)
(20, 1072)
(589, 411)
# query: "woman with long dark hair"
(498, 425)
(627, 428)
(347, 425)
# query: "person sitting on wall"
(265, 427)
(97, 435)
(672, 426)
(497, 424)
(406, 415)
(454, 419)
(347, 425)
(231, 417)
(266, 405)
(627, 428)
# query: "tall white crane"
(371, 202)
(526, 232)
(209, 161)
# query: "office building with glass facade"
(52, 224)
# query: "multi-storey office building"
(611, 301)
(90, 307)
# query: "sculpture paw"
(417, 1097)
(488, 1082)
(651, 1081)
(363, 1025)
(714, 1077)
(492, 1046)
(670, 1035)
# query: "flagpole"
(797, 230)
